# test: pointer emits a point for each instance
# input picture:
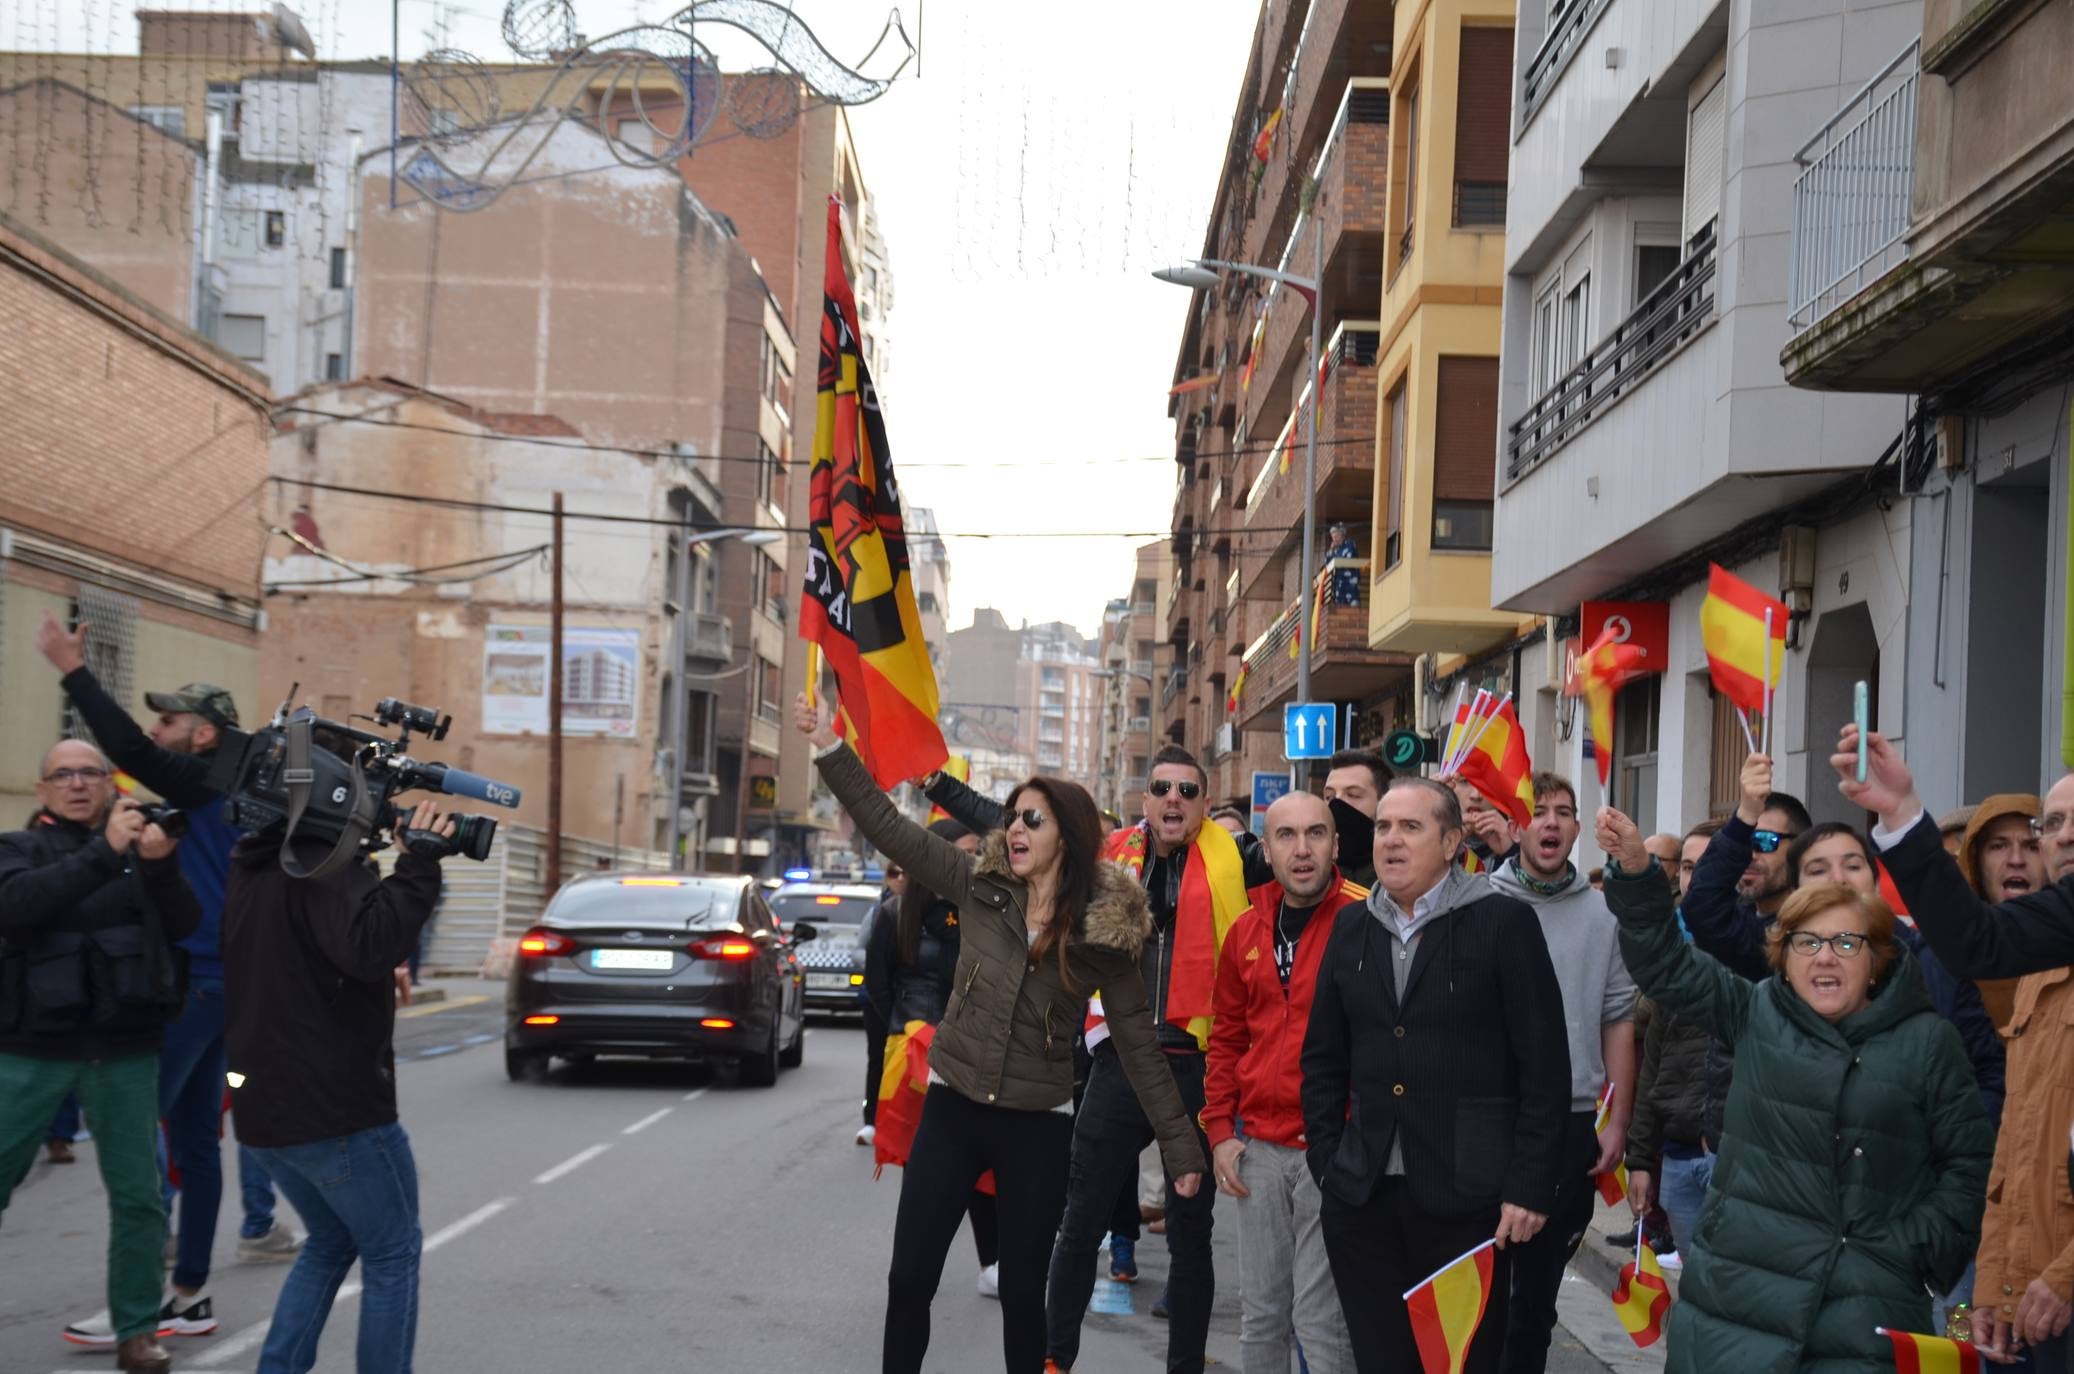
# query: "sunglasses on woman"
(1159, 787)
(1032, 818)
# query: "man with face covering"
(1355, 780)
(1489, 836)
(1196, 876)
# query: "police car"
(833, 961)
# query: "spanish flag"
(1641, 1298)
(1264, 141)
(1447, 1308)
(1931, 1354)
(958, 766)
(1213, 897)
(1601, 671)
(1238, 687)
(1496, 763)
(1253, 348)
(1732, 629)
(858, 604)
(1613, 1184)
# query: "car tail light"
(729, 947)
(717, 1023)
(546, 944)
(543, 1020)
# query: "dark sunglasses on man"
(1159, 787)
(1767, 841)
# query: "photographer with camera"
(309, 963)
(91, 905)
(174, 760)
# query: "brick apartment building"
(135, 456)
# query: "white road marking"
(572, 1163)
(649, 1120)
(233, 1346)
(695, 1095)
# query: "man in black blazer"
(1436, 1079)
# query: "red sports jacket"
(1256, 1040)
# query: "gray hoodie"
(1584, 945)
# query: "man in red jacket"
(1263, 1004)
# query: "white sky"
(1046, 160)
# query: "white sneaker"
(990, 1281)
(867, 1134)
(280, 1243)
(1670, 1261)
(180, 1316)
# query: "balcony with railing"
(1667, 318)
(1343, 667)
(1345, 461)
(1853, 196)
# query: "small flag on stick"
(1448, 1307)
(1601, 671)
(1931, 1354)
(1744, 633)
(1613, 1184)
(1490, 754)
(1641, 1297)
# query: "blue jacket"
(1732, 930)
(182, 779)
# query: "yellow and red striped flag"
(1264, 141)
(1447, 1308)
(1641, 1297)
(1613, 1184)
(858, 604)
(1931, 1354)
(1495, 761)
(1732, 627)
(1601, 671)
(1238, 687)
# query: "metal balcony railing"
(1852, 199)
(1568, 22)
(1666, 318)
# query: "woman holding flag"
(1853, 1168)
(1043, 922)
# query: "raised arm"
(942, 867)
(181, 779)
(1674, 974)
(970, 808)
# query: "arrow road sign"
(1310, 730)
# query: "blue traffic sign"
(1310, 730)
(1268, 788)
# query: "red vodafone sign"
(1644, 624)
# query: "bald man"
(1263, 1003)
(90, 886)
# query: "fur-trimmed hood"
(1118, 915)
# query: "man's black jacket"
(309, 992)
(87, 969)
(1470, 1074)
(1978, 939)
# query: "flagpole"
(1767, 751)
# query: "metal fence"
(1852, 199)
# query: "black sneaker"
(194, 1316)
(1622, 1240)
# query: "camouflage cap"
(204, 699)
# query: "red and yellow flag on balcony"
(1238, 687)
(1931, 1354)
(1447, 1308)
(1264, 141)
(858, 603)
(1254, 346)
(1736, 621)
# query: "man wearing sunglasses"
(91, 905)
(1196, 876)
(1741, 881)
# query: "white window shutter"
(1706, 140)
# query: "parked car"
(834, 966)
(659, 966)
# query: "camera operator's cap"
(204, 699)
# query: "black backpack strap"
(300, 777)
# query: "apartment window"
(276, 228)
(1546, 369)
(242, 336)
(338, 269)
(334, 367)
(1706, 130)
(167, 119)
(769, 687)
(1411, 172)
(1465, 451)
(1654, 263)
(925, 602)
(1576, 324)
(770, 581)
(1483, 127)
(1635, 726)
(1393, 532)
(767, 470)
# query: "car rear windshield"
(683, 906)
(826, 909)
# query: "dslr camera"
(327, 782)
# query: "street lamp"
(1202, 275)
(680, 707)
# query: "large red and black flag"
(859, 601)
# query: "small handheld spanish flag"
(1641, 1298)
(1613, 1184)
(1736, 621)
(1448, 1307)
(1931, 1354)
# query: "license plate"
(651, 960)
(828, 982)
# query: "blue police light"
(798, 875)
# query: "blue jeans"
(1682, 1189)
(65, 1125)
(358, 1194)
(190, 1098)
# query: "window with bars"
(111, 650)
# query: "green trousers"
(120, 1100)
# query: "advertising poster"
(601, 680)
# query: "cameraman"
(174, 761)
(91, 903)
(309, 964)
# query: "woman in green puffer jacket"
(1853, 1168)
